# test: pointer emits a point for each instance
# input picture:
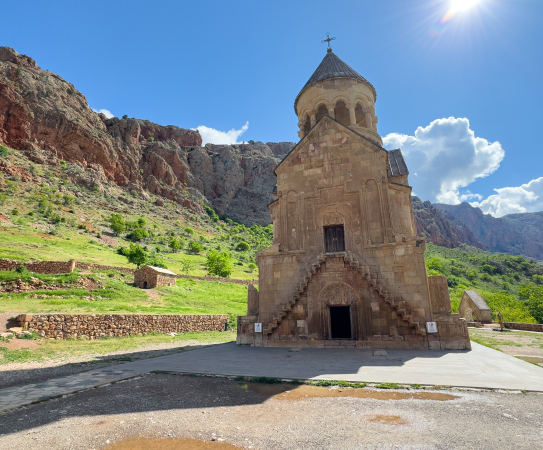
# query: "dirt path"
(6, 323)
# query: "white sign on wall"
(431, 327)
(258, 328)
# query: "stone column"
(353, 116)
(301, 133)
(313, 120)
(369, 121)
(332, 113)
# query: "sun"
(461, 5)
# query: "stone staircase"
(268, 329)
(378, 284)
(380, 287)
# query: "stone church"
(346, 268)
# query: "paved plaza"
(481, 368)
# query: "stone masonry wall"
(39, 266)
(69, 266)
(86, 266)
(95, 326)
(524, 326)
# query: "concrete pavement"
(481, 368)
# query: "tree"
(117, 223)
(534, 304)
(141, 222)
(137, 235)
(174, 244)
(136, 255)
(187, 266)
(242, 246)
(219, 264)
(195, 247)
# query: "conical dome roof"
(333, 67)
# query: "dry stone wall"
(85, 266)
(221, 279)
(95, 326)
(524, 326)
(39, 266)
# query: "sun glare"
(461, 5)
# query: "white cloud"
(103, 111)
(509, 200)
(446, 156)
(212, 136)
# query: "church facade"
(346, 267)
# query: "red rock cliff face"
(47, 117)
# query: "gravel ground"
(206, 408)
(15, 374)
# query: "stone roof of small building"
(161, 270)
(478, 300)
(333, 67)
(396, 163)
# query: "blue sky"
(222, 64)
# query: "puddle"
(388, 420)
(531, 359)
(293, 393)
(169, 444)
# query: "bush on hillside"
(117, 223)
(195, 247)
(219, 264)
(188, 230)
(242, 246)
(4, 151)
(137, 235)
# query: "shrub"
(435, 263)
(137, 235)
(210, 212)
(174, 244)
(187, 266)
(4, 151)
(195, 247)
(219, 264)
(188, 230)
(252, 266)
(15, 212)
(538, 279)
(534, 304)
(151, 139)
(242, 246)
(68, 200)
(125, 116)
(117, 223)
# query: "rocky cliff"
(440, 227)
(516, 234)
(49, 119)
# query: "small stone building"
(150, 277)
(473, 306)
(346, 268)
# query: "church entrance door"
(334, 238)
(340, 322)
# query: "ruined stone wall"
(524, 326)
(86, 266)
(39, 266)
(95, 326)
(221, 279)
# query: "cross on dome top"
(328, 40)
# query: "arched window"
(342, 113)
(360, 116)
(321, 112)
(307, 125)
